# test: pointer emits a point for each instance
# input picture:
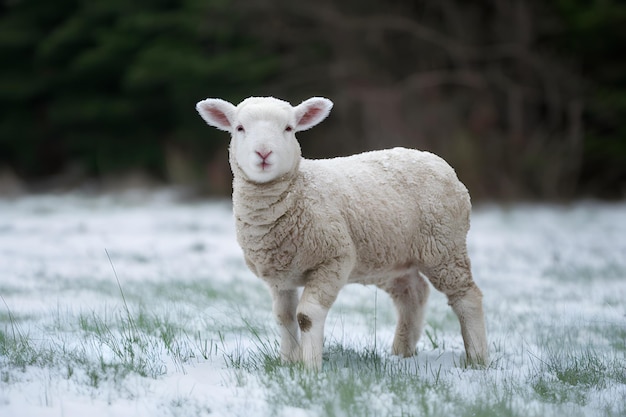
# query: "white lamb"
(383, 218)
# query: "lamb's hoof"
(292, 357)
(476, 361)
(402, 351)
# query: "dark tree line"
(525, 98)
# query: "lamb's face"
(264, 144)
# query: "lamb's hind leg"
(469, 309)
(409, 294)
(453, 277)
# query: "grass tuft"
(17, 348)
(569, 376)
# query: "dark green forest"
(526, 99)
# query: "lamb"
(387, 218)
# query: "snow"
(541, 267)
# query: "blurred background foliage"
(526, 99)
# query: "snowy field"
(140, 305)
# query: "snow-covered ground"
(140, 304)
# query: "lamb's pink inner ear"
(218, 116)
(309, 115)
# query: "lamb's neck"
(262, 204)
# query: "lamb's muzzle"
(264, 155)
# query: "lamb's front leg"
(311, 319)
(318, 296)
(285, 303)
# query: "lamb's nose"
(263, 155)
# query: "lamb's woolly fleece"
(387, 210)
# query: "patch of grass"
(97, 347)
(353, 382)
(359, 380)
(125, 344)
(185, 406)
(264, 355)
(613, 333)
(432, 335)
(487, 408)
(569, 376)
(17, 348)
(144, 343)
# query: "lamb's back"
(392, 200)
(417, 179)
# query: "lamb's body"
(382, 218)
(394, 210)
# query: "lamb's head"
(263, 142)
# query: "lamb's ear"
(217, 113)
(312, 111)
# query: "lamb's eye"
(240, 128)
(288, 128)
